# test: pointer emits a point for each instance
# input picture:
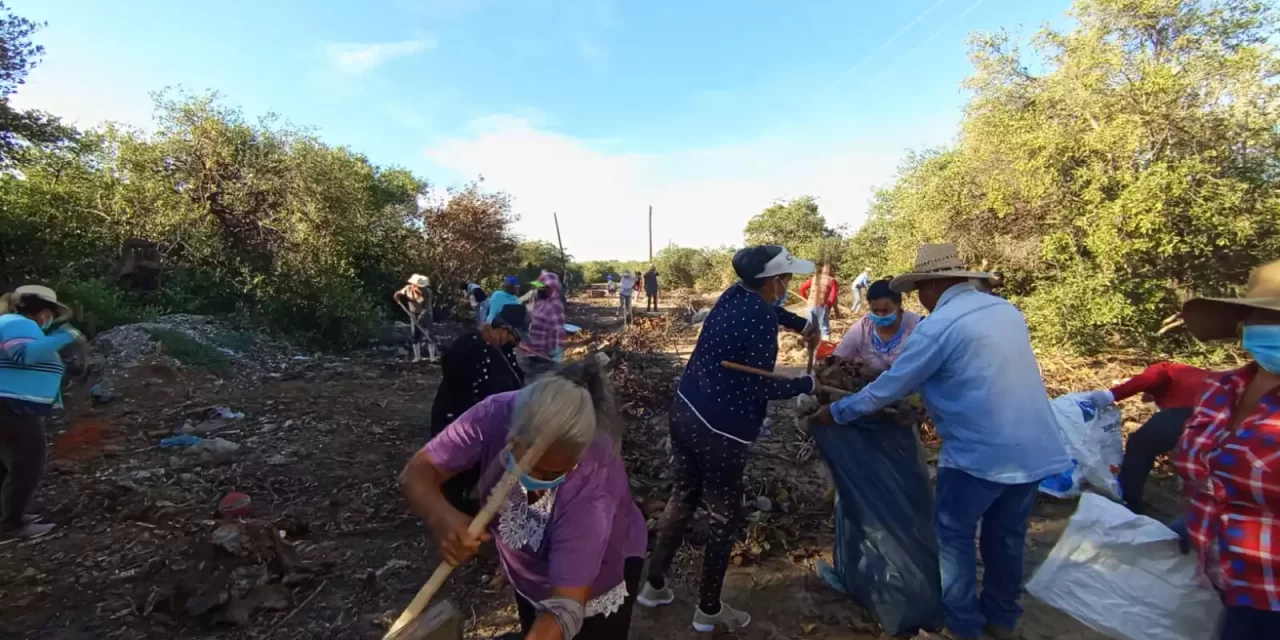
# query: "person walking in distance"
(651, 289)
(625, 290)
(822, 297)
(860, 285)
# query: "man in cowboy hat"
(971, 361)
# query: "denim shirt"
(972, 362)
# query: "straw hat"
(44, 293)
(1219, 318)
(934, 261)
(419, 280)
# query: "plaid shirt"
(546, 329)
(1233, 480)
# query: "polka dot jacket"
(741, 328)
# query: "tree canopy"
(1131, 166)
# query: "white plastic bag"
(1094, 443)
(1122, 574)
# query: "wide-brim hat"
(46, 294)
(1220, 318)
(934, 262)
(419, 280)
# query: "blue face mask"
(1263, 342)
(533, 484)
(883, 321)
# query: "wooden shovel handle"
(478, 524)
(777, 376)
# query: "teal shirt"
(497, 301)
(30, 368)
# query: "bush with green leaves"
(1132, 166)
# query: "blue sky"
(591, 108)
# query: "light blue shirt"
(861, 280)
(972, 362)
(497, 301)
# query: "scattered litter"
(235, 504)
(180, 441)
(225, 413)
(228, 536)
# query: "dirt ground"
(327, 549)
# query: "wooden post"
(650, 234)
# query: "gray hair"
(575, 401)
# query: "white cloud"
(701, 197)
(355, 59)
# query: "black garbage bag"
(886, 552)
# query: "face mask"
(530, 483)
(1263, 342)
(46, 325)
(883, 321)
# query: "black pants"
(21, 464)
(651, 300)
(1157, 436)
(611, 627)
(709, 468)
(1246, 623)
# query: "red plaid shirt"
(1233, 480)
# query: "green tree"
(18, 54)
(1132, 166)
(796, 224)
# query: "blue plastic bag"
(886, 552)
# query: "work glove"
(1101, 399)
(1179, 526)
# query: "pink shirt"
(859, 343)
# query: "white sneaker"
(729, 619)
(650, 597)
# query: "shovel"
(441, 621)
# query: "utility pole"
(650, 234)
(564, 263)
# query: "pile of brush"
(853, 376)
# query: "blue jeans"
(1003, 509)
(822, 317)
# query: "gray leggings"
(21, 463)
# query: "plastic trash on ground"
(885, 549)
(1095, 444)
(1123, 575)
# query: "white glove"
(1101, 399)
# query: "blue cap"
(513, 280)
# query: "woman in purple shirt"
(570, 538)
(877, 339)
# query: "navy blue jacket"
(741, 328)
